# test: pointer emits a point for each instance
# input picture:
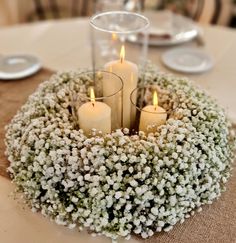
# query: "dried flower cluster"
(119, 184)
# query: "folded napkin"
(161, 23)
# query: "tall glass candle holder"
(151, 107)
(119, 44)
(113, 29)
(99, 107)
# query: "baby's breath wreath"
(119, 184)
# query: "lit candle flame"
(155, 99)
(113, 36)
(122, 53)
(92, 96)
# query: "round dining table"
(65, 45)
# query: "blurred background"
(216, 12)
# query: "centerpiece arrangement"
(121, 151)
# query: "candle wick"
(121, 60)
(93, 104)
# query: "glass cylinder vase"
(119, 45)
(113, 29)
(151, 107)
(99, 107)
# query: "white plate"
(187, 60)
(18, 66)
(170, 29)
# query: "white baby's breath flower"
(118, 184)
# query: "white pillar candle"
(94, 115)
(112, 93)
(152, 116)
(128, 71)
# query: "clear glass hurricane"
(100, 106)
(151, 106)
(112, 30)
